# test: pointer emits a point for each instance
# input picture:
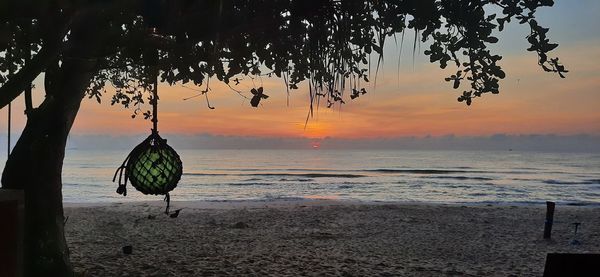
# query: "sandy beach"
(321, 238)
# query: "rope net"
(152, 167)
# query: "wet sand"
(321, 238)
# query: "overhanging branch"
(22, 79)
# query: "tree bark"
(35, 165)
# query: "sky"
(413, 101)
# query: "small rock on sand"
(240, 225)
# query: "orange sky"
(420, 104)
(530, 101)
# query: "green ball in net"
(154, 167)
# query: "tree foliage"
(328, 43)
(83, 46)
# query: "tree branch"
(21, 80)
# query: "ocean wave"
(461, 178)
(459, 186)
(524, 179)
(478, 194)
(252, 179)
(249, 184)
(271, 197)
(85, 184)
(307, 175)
(580, 204)
(561, 182)
(527, 168)
(419, 171)
(315, 175)
(272, 169)
(359, 183)
(295, 180)
(207, 174)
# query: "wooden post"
(549, 219)
(11, 233)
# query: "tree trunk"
(35, 165)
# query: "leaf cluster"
(328, 43)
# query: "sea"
(454, 177)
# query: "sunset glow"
(414, 101)
(421, 104)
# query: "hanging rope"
(28, 102)
(8, 135)
(152, 167)
(155, 101)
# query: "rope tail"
(122, 170)
(168, 200)
(122, 189)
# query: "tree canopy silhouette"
(83, 46)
